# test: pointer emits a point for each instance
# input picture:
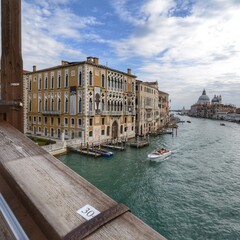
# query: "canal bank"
(193, 195)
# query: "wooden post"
(81, 147)
(11, 108)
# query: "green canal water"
(194, 194)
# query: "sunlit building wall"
(83, 100)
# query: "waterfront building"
(83, 100)
(163, 108)
(151, 107)
(214, 109)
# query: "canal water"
(194, 194)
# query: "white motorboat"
(159, 154)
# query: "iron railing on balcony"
(53, 113)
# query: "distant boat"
(222, 124)
(159, 155)
(189, 121)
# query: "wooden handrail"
(52, 193)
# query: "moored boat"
(159, 154)
(103, 152)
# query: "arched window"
(80, 105)
(30, 105)
(46, 83)
(52, 82)
(121, 106)
(80, 78)
(46, 105)
(133, 87)
(59, 104)
(103, 105)
(109, 104)
(66, 80)
(108, 131)
(66, 105)
(90, 104)
(118, 107)
(59, 81)
(39, 84)
(121, 129)
(90, 78)
(103, 80)
(39, 105)
(115, 106)
(52, 104)
(109, 81)
(30, 85)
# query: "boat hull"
(159, 157)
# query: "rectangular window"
(79, 122)
(72, 122)
(79, 134)
(39, 119)
(34, 119)
(103, 121)
(52, 120)
(103, 132)
(45, 120)
(45, 131)
(66, 121)
(59, 121)
(90, 134)
(90, 121)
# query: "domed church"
(203, 99)
(214, 109)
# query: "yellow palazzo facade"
(81, 100)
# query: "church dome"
(203, 99)
(215, 99)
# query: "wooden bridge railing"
(51, 194)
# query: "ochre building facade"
(81, 100)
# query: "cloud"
(194, 44)
(51, 32)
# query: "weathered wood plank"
(53, 193)
(11, 61)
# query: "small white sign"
(15, 84)
(88, 212)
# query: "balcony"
(51, 113)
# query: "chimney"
(93, 60)
(96, 60)
(129, 71)
(34, 68)
(64, 62)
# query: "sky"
(185, 45)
